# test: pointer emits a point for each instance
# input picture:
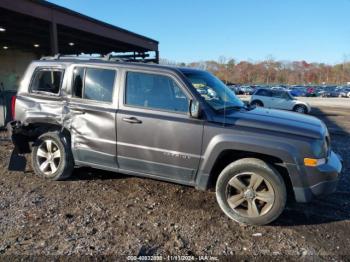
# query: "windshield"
(215, 92)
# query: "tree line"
(271, 71)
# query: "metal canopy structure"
(48, 29)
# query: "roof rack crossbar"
(135, 57)
(55, 57)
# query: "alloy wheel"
(250, 195)
(48, 157)
(300, 109)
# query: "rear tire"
(251, 191)
(300, 109)
(52, 157)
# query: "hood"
(276, 121)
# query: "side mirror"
(194, 109)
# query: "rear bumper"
(324, 177)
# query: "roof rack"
(113, 57)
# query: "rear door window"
(99, 84)
(93, 83)
(47, 80)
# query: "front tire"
(51, 157)
(251, 191)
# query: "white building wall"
(13, 63)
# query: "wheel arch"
(49, 127)
(301, 104)
(228, 156)
(257, 101)
(29, 133)
(276, 153)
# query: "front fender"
(271, 146)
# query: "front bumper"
(320, 180)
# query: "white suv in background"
(278, 99)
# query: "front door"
(155, 135)
(91, 114)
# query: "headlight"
(320, 148)
(327, 146)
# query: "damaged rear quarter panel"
(90, 123)
(35, 108)
(39, 107)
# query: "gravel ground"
(103, 213)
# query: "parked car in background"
(237, 90)
(345, 92)
(298, 91)
(311, 91)
(331, 91)
(247, 90)
(278, 88)
(278, 99)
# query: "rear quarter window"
(47, 80)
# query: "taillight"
(13, 107)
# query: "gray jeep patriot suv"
(175, 124)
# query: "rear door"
(265, 96)
(155, 135)
(274, 99)
(280, 100)
(91, 111)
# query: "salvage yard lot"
(98, 212)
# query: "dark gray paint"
(172, 146)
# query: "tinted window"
(263, 92)
(47, 80)
(280, 94)
(78, 78)
(99, 84)
(277, 94)
(154, 91)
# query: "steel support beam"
(53, 38)
(157, 57)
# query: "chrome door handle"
(132, 120)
